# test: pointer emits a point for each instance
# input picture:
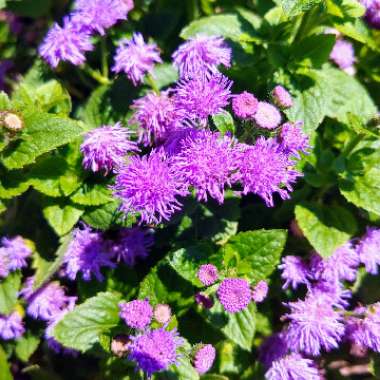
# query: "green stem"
(152, 83)
(96, 75)
(351, 145)
(104, 54)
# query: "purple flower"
(202, 97)
(208, 274)
(234, 294)
(149, 185)
(15, 252)
(156, 116)
(313, 325)
(363, 329)
(174, 140)
(244, 105)
(273, 348)
(105, 148)
(293, 367)
(204, 300)
(293, 140)
(260, 291)
(86, 254)
(131, 245)
(136, 314)
(281, 97)
(267, 116)
(343, 54)
(46, 302)
(201, 55)
(5, 66)
(4, 262)
(135, 58)
(207, 162)
(162, 313)
(99, 15)
(332, 291)
(294, 271)
(265, 169)
(67, 43)
(372, 15)
(11, 326)
(155, 350)
(204, 358)
(369, 250)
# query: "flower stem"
(96, 75)
(104, 55)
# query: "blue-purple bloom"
(207, 162)
(295, 271)
(293, 140)
(372, 15)
(99, 15)
(11, 326)
(135, 58)
(201, 55)
(267, 116)
(369, 250)
(105, 148)
(201, 97)
(156, 116)
(204, 358)
(293, 367)
(234, 294)
(155, 350)
(314, 325)
(273, 348)
(208, 274)
(136, 314)
(244, 105)
(150, 185)
(260, 291)
(67, 43)
(86, 254)
(343, 54)
(264, 169)
(15, 252)
(4, 269)
(132, 244)
(281, 97)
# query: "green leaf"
(5, 370)
(224, 122)
(5, 103)
(26, 346)
(81, 328)
(258, 252)
(326, 227)
(91, 114)
(295, 7)
(13, 184)
(42, 133)
(183, 370)
(9, 288)
(212, 376)
(164, 75)
(92, 194)
(62, 216)
(102, 217)
(238, 327)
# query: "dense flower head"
(293, 140)
(260, 291)
(99, 15)
(136, 314)
(155, 350)
(162, 313)
(46, 302)
(369, 250)
(156, 116)
(174, 140)
(293, 367)
(14, 252)
(363, 328)
(86, 254)
(132, 244)
(244, 105)
(294, 271)
(267, 116)
(343, 54)
(207, 162)
(201, 55)
(265, 169)
(105, 148)
(11, 326)
(150, 186)
(332, 291)
(281, 97)
(66, 43)
(208, 274)
(273, 348)
(201, 97)
(135, 58)
(313, 325)
(234, 294)
(372, 15)
(204, 358)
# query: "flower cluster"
(372, 14)
(154, 349)
(323, 320)
(13, 254)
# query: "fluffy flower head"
(372, 15)
(293, 140)
(294, 271)
(369, 250)
(162, 313)
(260, 291)
(281, 97)
(273, 348)
(208, 274)
(14, 252)
(136, 314)
(343, 54)
(244, 105)
(204, 358)
(11, 326)
(234, 294)
(135, 58)
(267, 116)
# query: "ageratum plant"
(189, 190)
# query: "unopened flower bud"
(281, 97)
(120, 345)
(162, 313)
(12, 121)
